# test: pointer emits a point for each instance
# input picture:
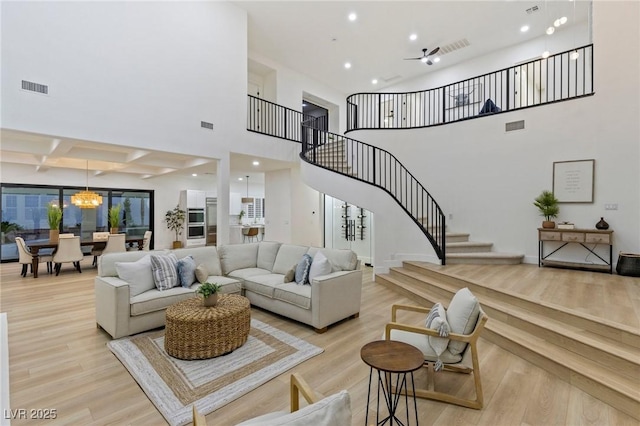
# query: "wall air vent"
(456, 45)
(206, 125)
(514, 125)
(35, 87)
(532, 9)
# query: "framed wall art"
(573, 181)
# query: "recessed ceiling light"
(436, 59)
(256, 163)
(413, 37)
(550, 30)
(563, 20)
(556, 23)
(545, 54)
(524, 28)
(347, 65)
(239, 178)
(353, 16)
(374, 81)
(194, 174)
(304, 105)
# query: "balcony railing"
(276, 120)
(379, 168)
(560, 77)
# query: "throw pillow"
(137, 274)
(290, 275)
(462, 317)
(165, 273)
(320, 266)
(186, 271)
(302, 270)
(202, 274)
(437, 320)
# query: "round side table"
(194, 331)
(390, 357)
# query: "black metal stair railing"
(379, 168)
(564, 76)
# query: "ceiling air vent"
(514, 125)
(456, 45)
(391, 78)
(35, 87)
(206, 125)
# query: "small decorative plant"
(175, 220)
(54, 216)
(207, 289)
(547, 203)
(114, 215)
(240, 216)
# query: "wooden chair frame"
(297, 387)
(472, 349)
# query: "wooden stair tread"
(487, 254)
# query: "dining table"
(35, 247)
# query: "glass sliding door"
(84, 222)
(135, 211)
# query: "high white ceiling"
(316, 38)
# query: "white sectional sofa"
(256, 270)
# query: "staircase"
(461, 250)
(596, 355)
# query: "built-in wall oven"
(196, 227)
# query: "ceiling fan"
(425, 58)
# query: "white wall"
(486, 179)
(131, 73)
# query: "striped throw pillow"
(165, 271)
(437, 320)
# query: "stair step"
(600, 363)
(468, 247)
(456, 237)
(485, 258)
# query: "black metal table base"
(392, 399)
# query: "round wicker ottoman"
(195, 332)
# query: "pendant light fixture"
(247, 199)
(86, 199)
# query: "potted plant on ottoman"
(175, 222)
(209, 292)
(114, 218)
(54, 217)
(547, 203)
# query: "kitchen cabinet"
(196, 199)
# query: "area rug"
(174, 385)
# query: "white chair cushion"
(137, 274)
(334, 410)
(421, 341)
(320, 266)
(462, 316)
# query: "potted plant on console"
(175, 222)
(209, 292)
(547, 203)
(114, 218)
(54, 217)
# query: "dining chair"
(26, 258)
(250, 233)
(68, 235)
(97, 249)
(115, 244)
(68, 251)
(147, 240)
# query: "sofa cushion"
(186, 271)
(330, 411)
(288, 255)
(302, 270)
(202, 273)
(298, 295)
(238, 256)
(107, 262)
(137, 274)
(156, 300)
(207, 256)
(263, 284)
(243, 274)
(462, 316)
(341, 259)
(165, 271)
(267, 252)
(229, 285)
(320, 266)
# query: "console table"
(576, 236)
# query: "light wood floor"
(59, 359)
